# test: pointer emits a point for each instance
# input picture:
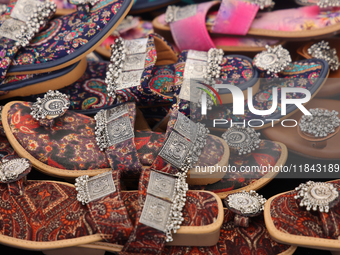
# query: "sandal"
(192, 33)
(311, 139)
(142, 6)
(236, 17)
(33, 84)
(307, 74)
(69, 38)
(151, 84)
(307, 216)
(59, 217)
(70, 145)
(326, 50)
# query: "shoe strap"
(235, 17)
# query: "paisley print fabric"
(296, 220)
(307, 74)
(46, 211)
(254, 239)
(67, 34)
(71, 144)
(267, 155)
(149, 144)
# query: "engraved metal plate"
(189, 90)
(100, 186)
(23, 9)
(246, 203)
(11, 169)
(119, 130)
(175, 149)
(161, 185)
(155, 213)
(134, 62)
(10, 28)
(198, 55)
(129, 79)
(185, 12)
(186, 127)
(116, 112)
(194, 69)
(136, 46)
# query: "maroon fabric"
(289, 217)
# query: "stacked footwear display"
(171, 132)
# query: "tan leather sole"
(331, 87)
(193, 177)
(52, 84)
(185, 236)
(303, 241)
(263, 181)
(295, 143)
(74, 60)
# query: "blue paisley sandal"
(68, 39)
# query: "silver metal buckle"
(175, 13)
(162, 185)
(242, 140)
(176, 149)
(127, 65)
(54, 104)
(90, 189)
(244, 203)
(80, 2)
(26, 19)
(316, 195)
(273, 60)
(322, 50)
(194, 69)
(11, 169)
(155, 213)
(112, 128)
(198, 55)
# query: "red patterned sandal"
(53, 215)
(252, 164)
(307, 216)
(70, 145)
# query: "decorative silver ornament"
(244, 203)
(316, 195)
(242, 140)
(263, 3)
(81, 2)
(3, 8)
(54, 104)
(273, 60)
(213, 70)
(27, 19)
(11, 169)
(111, 128)
(322, 50)
(126, 66)
(321, 123)
(96, 187)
